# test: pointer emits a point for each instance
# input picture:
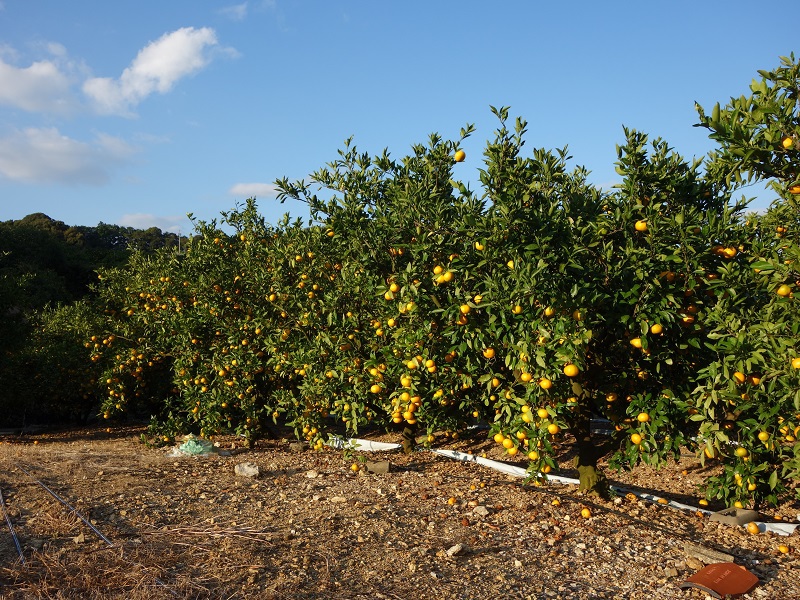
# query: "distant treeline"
(47, 308)
(44, 261)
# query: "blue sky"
(137, 113)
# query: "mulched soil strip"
(77, 514)
(363, 445)
(72, 509)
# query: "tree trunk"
(592, 480)
(409, 438)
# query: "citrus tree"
(540, 304)
(749, 408)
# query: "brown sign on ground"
(722, 579)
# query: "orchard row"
(412, 302)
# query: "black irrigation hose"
(70, 507)
(11, 529)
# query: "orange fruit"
(542, 412)
(739, 377)
(656, 328)
(787, 142)
(741, 452)
(553, 429)
(459, 156)
(763, 436)
(488, 353)
(752, 527)
(545, 383)
(570, 370)
(636, 439)
(643, 417)
(586, 513)
(795, 190)
(636, 342)
(796, 363)
(479, 246)
(703, 502)
(465, 308)
(641, 226)
(784, 290)
(783, 549)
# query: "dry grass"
(195, 561)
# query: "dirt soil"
(311, 527)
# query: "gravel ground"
(311, 527)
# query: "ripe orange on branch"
(571, 370)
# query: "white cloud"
(156, 68)
(173, 223)
(41, 87)
(251, 190)
(45, 156)
(237, 12)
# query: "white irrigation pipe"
(370, 446)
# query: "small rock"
(312, 474)
(79, 539)
(671, 572)
(36, 544)
(693, 563)
(247, 469)
(517, 563)
(338, 499)
(456, 550)
(297, 447)
(379, 467)
(480, 511)
(706, 555)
